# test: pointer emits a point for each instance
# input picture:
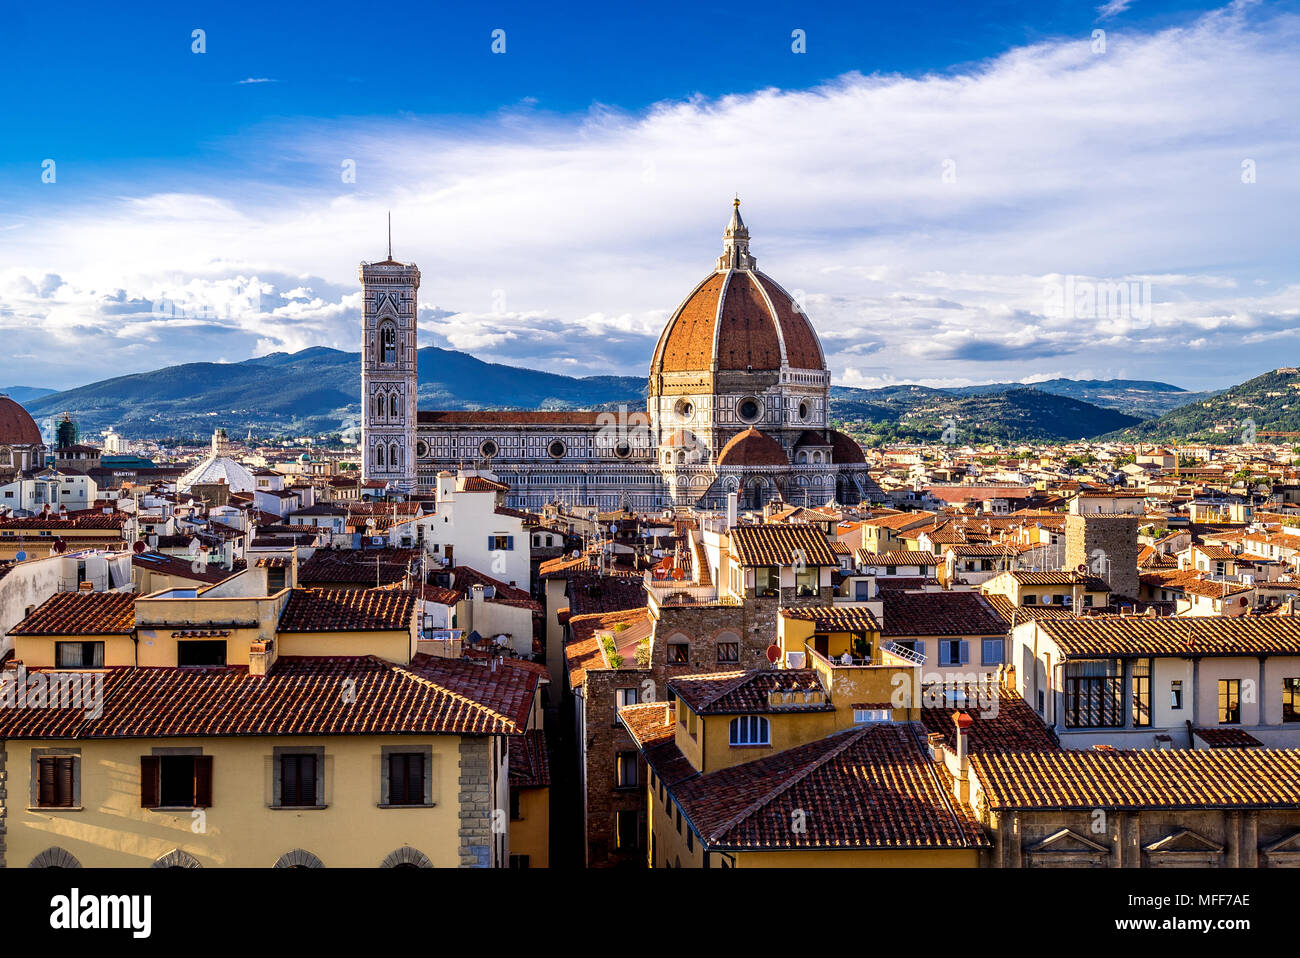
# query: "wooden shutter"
(202, 781)
(415, 780)
(63, 781)
(148, 781)
(46, 790)
(307, 780)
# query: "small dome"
(811, 437)
(846, 449)
(17, 427)
(752, 448)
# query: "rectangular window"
(1094, 694)
(1229, 701)
(201, 653)
(1087, 601)
(625, 773)
(298, 777)
(406, 774)
(870, 716)
(767, 580)
(728, 653)
(274, 580)
(501, 543)
(1176, 694)
(861, 590)
(953, 652)
(626, 829)
(622, 698)
(1291, 700)
(175, 781)
(679, 653)
(805, 582)
(79, 655)
(991, 652)
(1031, 599)
(1141, 689)
(56, 777)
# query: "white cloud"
(549, 241)
(1113, 8)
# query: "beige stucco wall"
(240, 829)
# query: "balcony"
(672, 592)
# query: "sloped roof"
(299, 696)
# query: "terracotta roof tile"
(781, 544)
(1150, 778)
(299, 696)
(865, 788)
(348, 610)
(1123, 636)
(81, 613)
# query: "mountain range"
(316, 391)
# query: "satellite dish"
(139, 547)
(773, 653)
(60, 546)
(20, 556)
(1081, 568)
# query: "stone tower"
(1105, 545)
(388, 371)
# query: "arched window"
(388, 343)
(392, 405)
(379, 457)
(750, 730)
(394, 457)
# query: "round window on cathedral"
(684, 409)
(748, 409)
(422, 449)
(623, 449)
(487, 449)
(803, 410)
(557, 449)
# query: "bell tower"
(388, 370)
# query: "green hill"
(1267, 403)
(1014, 415)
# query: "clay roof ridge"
(850, 737)
(424, 680)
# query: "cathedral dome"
(737, 319)
(17, 427)
(752, 448)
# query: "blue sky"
(920, 176)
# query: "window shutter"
(63, 790)
(965, 652)
(510, 543)
(148, 781)
(415, 780)
(307, 780)
(46, 791)
(202, 781)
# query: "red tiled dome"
(752, 448)
(845, 449)
(743, 319)
(738, 318)
(17, 427)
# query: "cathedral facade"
(738, 402)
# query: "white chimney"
(733, 504)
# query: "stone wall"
(1150, 838)
(476, 800)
